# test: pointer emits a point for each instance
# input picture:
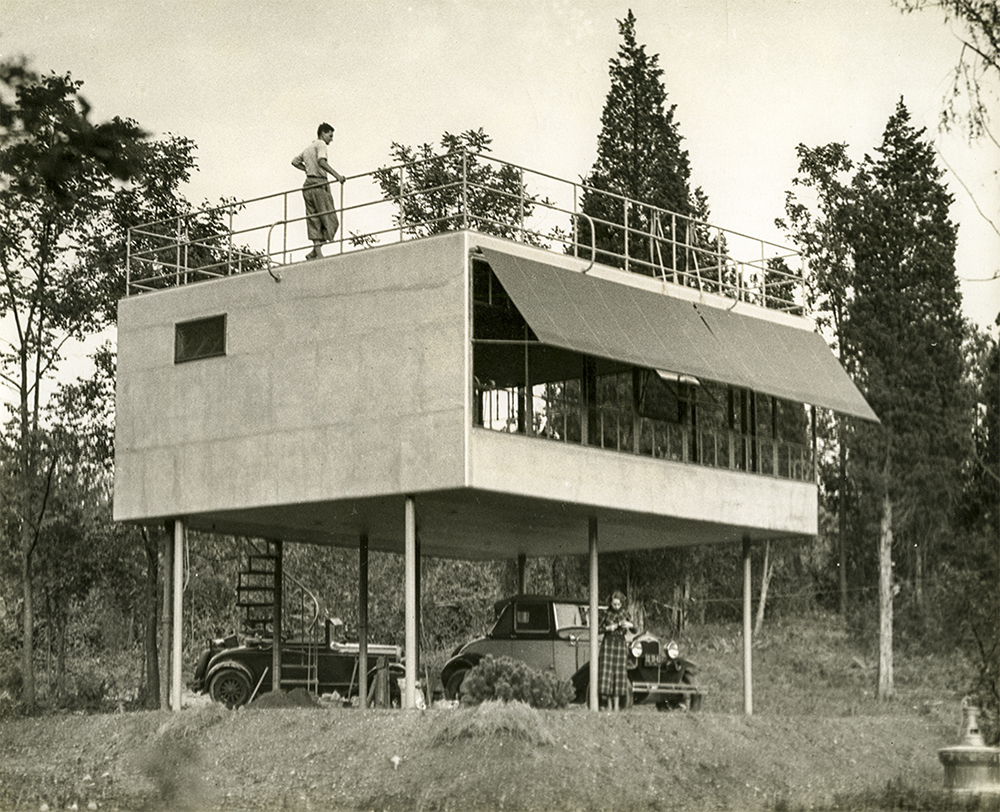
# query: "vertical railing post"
(343, 220)
(402, 200)
(128, 262)
(465, 190)
(284, 228)
(520, 201)
(229, 247)
(177, 252)
(576, 224)
(626, 202)
(673, 242)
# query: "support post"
(521, 562)
(178, 619)
(410, 590)
(363, 619)
(277, 618)
(747, 631)
(593, 699)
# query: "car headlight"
(636, 648)
(673, 650)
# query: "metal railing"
(503, 410)
(481, 193)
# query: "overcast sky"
(249, 80)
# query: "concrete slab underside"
(473, 525)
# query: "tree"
(68, 191)
(822, 233)
(978, 58)
(881, 248)
(639, 157)
(457, 188)
(905, 330)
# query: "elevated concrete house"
(476, 395)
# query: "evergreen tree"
(639, 157)
(905, 332)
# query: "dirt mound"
(296, 698)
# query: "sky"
(249, 81)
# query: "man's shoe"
(313, 255)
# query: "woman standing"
(612, 682)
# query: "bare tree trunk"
(150, 649)
(764, 583)
(885, 687)
(28, 648)
(842, 516)
(166, 618)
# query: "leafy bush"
(509, 680)
(512, 720)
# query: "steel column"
(410, 577)
(594, 587)
(178, 590)
(747, 631)
(363, 619)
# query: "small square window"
(200, 338)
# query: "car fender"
(235, 665)
(468, 660)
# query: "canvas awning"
(591, 315)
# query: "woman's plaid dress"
(612, 678)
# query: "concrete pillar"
(410, 588)
(594, 700)
(176, 661)
(363, 619)
(747, 631)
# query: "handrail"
(237, 236)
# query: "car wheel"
(454, 687)
(230, 687)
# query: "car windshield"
(571, 615)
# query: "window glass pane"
(201, 338)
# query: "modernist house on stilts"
(461, 387)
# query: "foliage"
(979, 58)
(639, 157)
(445, 191)
(509, 680)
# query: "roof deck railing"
(450, 192)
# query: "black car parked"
(554, 634)
(233, 673)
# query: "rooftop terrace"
(460, 191)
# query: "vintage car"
(554, 634)
(233, 673)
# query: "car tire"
(230, 687)
(454, 687)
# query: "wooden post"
(410, 603)
(747, 631)
(363, 619)
(178, 615)
(521, 562)
(593, 699)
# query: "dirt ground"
(333, 758)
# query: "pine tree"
(639, 157)
(905, 331)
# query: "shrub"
(510, 720)
(509, 680)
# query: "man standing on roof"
(321, 215)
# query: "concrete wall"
(576, 475)
(346, 379)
